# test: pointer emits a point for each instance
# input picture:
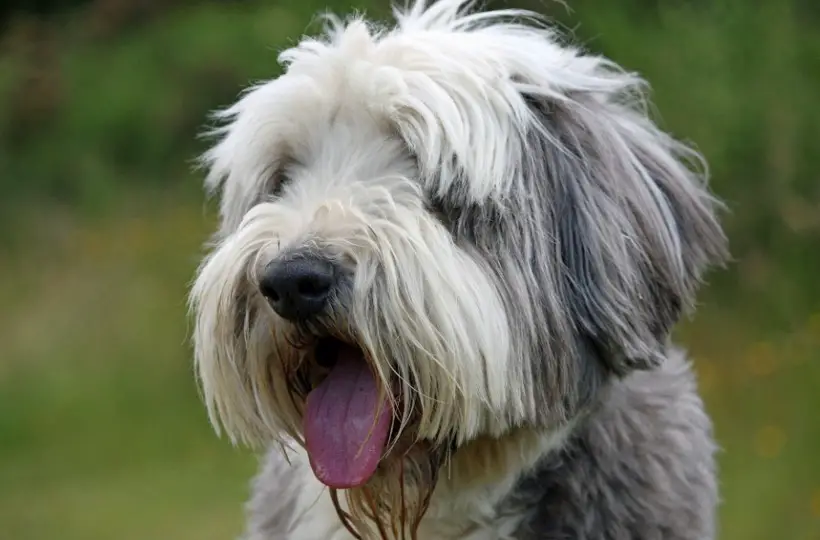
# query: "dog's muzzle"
(347, 412)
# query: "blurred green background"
(102, 434)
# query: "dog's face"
(446, 230)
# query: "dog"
(450, 255)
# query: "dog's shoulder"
(288, 503)
(640, 468)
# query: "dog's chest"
(466, 516)
(470, 527)
(469, 515)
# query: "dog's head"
(448, 229)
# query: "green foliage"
(101, 431)
(102, 434)
(106, 114)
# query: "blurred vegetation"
(102, 434)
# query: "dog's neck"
(480, 474)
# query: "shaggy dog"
(450, 256)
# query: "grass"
(101, 432)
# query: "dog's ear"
(634, 223)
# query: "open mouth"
(347, 417)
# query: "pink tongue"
(346, 424)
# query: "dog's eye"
(437, 207)
(271, 190)
(281, 176)
(277, 184)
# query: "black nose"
(298, 288)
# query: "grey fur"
(640, 467)
(601, 244)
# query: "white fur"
(461, 509)
(362, 195)
(443, 81)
